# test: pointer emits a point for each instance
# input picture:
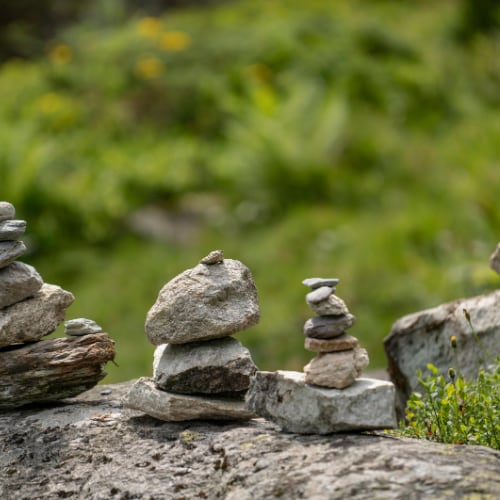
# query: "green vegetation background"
(354, 139)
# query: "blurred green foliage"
(305, 138)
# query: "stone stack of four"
(199, 370)
(340, 360)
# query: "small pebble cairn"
(200, 371)
(340, 360)
(31, 369)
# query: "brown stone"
(345, 342)
(336, 369)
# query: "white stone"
(284, 398)
(206, 302)
(209, 367)
(35, 317)
(163, 405)
(18, 281)
(81, 326)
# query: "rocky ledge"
(91, 447)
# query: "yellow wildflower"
(149, 67)
(175, 41)
(49, 103)
(61, 54)
(149, 27)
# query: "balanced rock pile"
(329, 396)
(32, 370)
(199, 370)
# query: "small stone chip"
(214, 257)
(81, 326)
(314, 283)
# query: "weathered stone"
(35, 317)
(314, 283)
(12, 229)
(214, 257)
(336, 370)
(163, 405)
(81, 326)
(52, 369)
(7, 211)
(284, 398)
(18, 281)
(204, 303)
(330, 306)
(10, 251)
(93, 448)
(495, 260)
(319, 294)
(327, 327)
(343, 342)
(210, 367)
(424, 337)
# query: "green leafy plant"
(456, 410)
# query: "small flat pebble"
(214, 257)
(327, 327)
(81, 326)
(344, 342)
(10, 251)
(319, 294)
(7, 210)
(12, 229)
(314, 283)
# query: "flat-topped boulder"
(203, 303)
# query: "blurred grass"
(357, 140)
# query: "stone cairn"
(31, 369)
(340, 360)
(200, 371)
(330, 396)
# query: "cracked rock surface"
(91, 448)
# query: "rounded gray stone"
(326, 327)
(18, 281)
(204, 303)
(10, 251)
(12, 229)
(211, 367)
(319, 294)
(330, 306)
(314, 283)
(7, 210)
(81, 326)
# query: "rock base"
(284, 398)
(171, 407)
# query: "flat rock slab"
(49, 370)
(12, 229)
(210, 367)
(286, 399)
(91, 448)
(35, 317)
(424, 337)
(203, 303)
(144, 396)
(18, 281)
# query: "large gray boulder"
(210, 367)
(18, 281)
(424, 337)
(90, 447)
(35, 317)
(284, 398)
(206, 302)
